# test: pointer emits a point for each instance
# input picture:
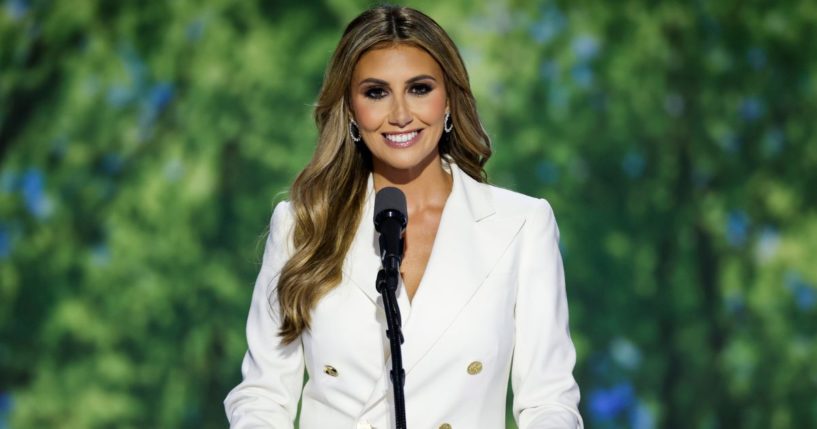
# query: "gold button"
(475, 367)
(445, 426)
(330, 370)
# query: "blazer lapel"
(363, 261)
(470, 240)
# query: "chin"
(408, 161)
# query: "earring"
(354, 131)
(448, 123)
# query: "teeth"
(401, 138)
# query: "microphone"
(390, 221)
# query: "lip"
(405, 144)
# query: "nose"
(400, 114)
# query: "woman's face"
(399, 101)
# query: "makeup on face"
(399, 103)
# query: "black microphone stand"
(387, 282)
(390, 221)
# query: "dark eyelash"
(375, 93)
(421, 89)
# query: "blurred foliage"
(142, 145)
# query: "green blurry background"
(143, 145)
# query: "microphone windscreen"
(390, 199)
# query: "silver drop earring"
(448, 123)
(354, 131)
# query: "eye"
(375, 93)
(421, 89)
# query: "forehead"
(396, 63)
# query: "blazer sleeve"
(273, 373)
(545, 392)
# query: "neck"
(425, 186)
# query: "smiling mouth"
(402, 139)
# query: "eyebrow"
(383, 82)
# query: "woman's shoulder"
(282, 219)
(282, 210)
(512, 202)
(502, 201)
(537, 212)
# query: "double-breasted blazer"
(491, 303)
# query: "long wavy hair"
(327, 196)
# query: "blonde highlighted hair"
(325, 224)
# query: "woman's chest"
(418, 245)
(348, 330)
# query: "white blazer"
(492, 301)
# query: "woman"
(482, 288)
